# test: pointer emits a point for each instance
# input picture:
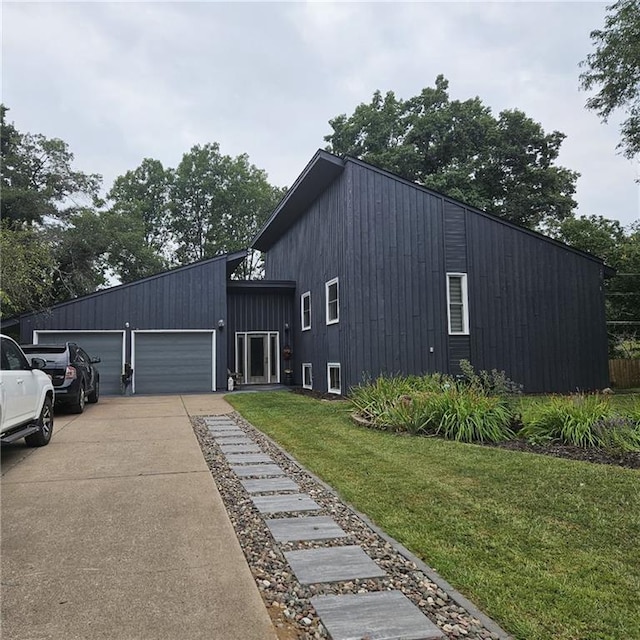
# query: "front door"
(257, 357)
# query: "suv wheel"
(78, 406)
(45, 426)
(95, 394)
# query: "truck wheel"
(95, 394)
(78, 405)
(45, 426)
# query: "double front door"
(257, 357)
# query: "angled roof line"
(232, 260)
(294, 203)
(320, 172)
(486, 214)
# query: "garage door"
(173, 361)
(106, 345)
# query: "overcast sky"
(123, 81)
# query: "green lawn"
(550, 548)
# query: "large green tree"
(217, 203)
(613, 69)
(137, 221)
(504, 165)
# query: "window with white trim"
(307, 379)
(458, 304)
(305, 310)
(334, 384)
(333, 305)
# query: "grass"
(547, 547)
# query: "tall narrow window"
(307, 380)
(334, 384)
(305, 310)
(333, 303)
(458, 304)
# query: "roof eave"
(319, 173)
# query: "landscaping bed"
(545, 546)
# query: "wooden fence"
(624, 374)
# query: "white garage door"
(106, 345)
(173, 361)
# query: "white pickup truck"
(26, 397)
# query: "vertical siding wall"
(254, 311)
(384, 240)
(536, 309)
(190, 298)
(313, 252)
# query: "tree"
(38, 180)
(503, 165)
(26, 270)
(614, 69)
(136, 223)
(218, 203)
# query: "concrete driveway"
(116, 530)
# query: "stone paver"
(283, 503)
(333, 564)
(240, 448)
(258, 470)
(226, 440)
(232, 433)
(306, 528)
(264, 485)
(247, 458)
(225, 428)
(383, 615)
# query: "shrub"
(581, 420)
(433, 405)
(492, 382)
(468, 415)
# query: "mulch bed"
(628, 460)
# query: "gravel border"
(286, 599)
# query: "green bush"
(580, 420)
(433, 405)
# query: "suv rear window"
(54, 355)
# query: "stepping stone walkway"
(380, 615)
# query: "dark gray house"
(366, 273)
(392, 277)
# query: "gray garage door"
(173, 361)
(98, 344)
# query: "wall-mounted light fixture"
(126, 325)
(286, 327)
(221, 324)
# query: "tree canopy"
(38, 180)
(614, 70)
(504, 165)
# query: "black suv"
(75, 378)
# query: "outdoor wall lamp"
(221, 324)
(286, 327)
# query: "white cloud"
(122, 81)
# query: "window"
(12, 358)
(305, 310)
(457, 302)
(333, 307)
(307, 380)
(333, 377)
